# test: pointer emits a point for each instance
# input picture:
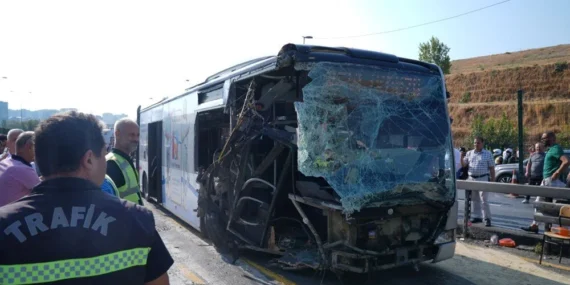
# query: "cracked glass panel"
(378, 136)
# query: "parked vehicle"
(504, 172)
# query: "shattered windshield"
(375, 134)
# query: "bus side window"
(210, 130)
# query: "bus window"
(211, 127)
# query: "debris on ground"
(507, 242)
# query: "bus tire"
(215, 229)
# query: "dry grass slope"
(531, 57)
(488, 86)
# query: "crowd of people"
(69, 210)
(546, 166)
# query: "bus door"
(155, 160)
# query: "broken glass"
(377, 135)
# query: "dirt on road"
(482, 265)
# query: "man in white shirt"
(481, 168)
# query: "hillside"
(531, 57)
(488, 85)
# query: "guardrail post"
(466, 213)
(520, 108)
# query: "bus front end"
(361, 149)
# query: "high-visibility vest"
(110, 181)
(130, 191)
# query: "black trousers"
(536, 182)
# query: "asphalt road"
(505, 212)
(197, 262)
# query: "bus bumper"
(445, 251)
(364, 263)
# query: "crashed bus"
(326, 158)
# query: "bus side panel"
(180, 188)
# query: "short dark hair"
(3, 137)
(62, 140)
(479, 138)
(550, 134)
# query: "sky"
(112, 56)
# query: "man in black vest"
(68, 231)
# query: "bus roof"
(306, 53)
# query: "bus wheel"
(214, 227)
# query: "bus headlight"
(445, 237)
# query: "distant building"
(36, 115)
(4, 115)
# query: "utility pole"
(521, 180)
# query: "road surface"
(505, 212)
(197, 262)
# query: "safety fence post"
(466, 213)
(520, 115)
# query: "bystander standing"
(481, 168)
(17, 177)
(534, 168)
(3, 139)
(555, 164)
(11, 143)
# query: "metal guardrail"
(519, 189)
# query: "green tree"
(27, 125)
(436, 52)
(498, 133)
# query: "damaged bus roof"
(295, 53)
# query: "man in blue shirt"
(109, 187)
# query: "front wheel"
(505, 178)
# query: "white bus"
(327, 158)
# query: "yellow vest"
(130, 191)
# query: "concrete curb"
(480, 232)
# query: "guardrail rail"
(546, 212)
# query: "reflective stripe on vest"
(34, 273)
(130, 190)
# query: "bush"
(466, 98)
(538, 248)
(560, 66)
